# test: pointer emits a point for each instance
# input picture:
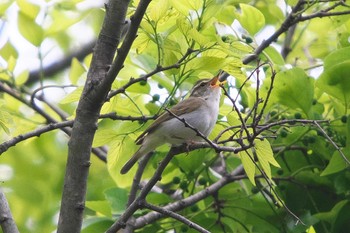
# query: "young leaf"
(29, 9)
(158, 10)
(263, 149)
(119, 152)
(11, 63)
(336, 82)
(96, 224)
(22, 78)
(251, 18)
(101, 207)
(248, 164)
(336, 164)
(117, 198)
(294, 89)
(265, 156)
(5, 119)
(29, 29)
(73, 96)
(8, 51)
(76, 71)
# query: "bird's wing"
(188, 105)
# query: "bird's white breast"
(203, 119)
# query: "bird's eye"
(202, 84)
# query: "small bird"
(200, 110)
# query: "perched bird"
(200, 110)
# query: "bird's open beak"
(216, 80)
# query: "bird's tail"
(131, 162)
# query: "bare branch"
(146, 76)
(97, 85)
(332, 142)
(137, 178)
(35, 133)
(135, 205)
(322, 14)
(186, 202)
(7, 223)
(174, 215)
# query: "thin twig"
(186, 202)
(174, 215)
(243, 126)
(273, 190)
(322, 14)
(332, 142)
(290, 20)
(146, 76)
(135, 205)
(35, 133)
(137, 178)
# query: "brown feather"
(188, 105)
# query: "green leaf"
(117, 198)
(119, 152)
(197, 158)
(104, 137)
(11, 64)
(96, 224)
(336, 164)
(62, 22)
(164, 81)
(5, 120)
(22, 78)
(294, 89)
(336, 81)
(208, 63)
(29, 29)
(158, 9)
(100, 207)
(265, 156)
(184, 6)
(183, 25)
(250, 18)
(76, 71)
(8, 51)
(198, 37)
(264, 152)
(226, 15)
(331, 216)
(336, 57)
(28, 8)
(74, 96)
(248, 164)
(4, 5)
(139, 88)
(274, 56)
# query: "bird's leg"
(189, 143)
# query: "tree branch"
(288, 22)
(136, 204)
(35, 133)
(186, 202)
(97, 86)
(7, 223)
(174, 215)
(332, 142)
(145, 77)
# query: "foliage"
(283, 116)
